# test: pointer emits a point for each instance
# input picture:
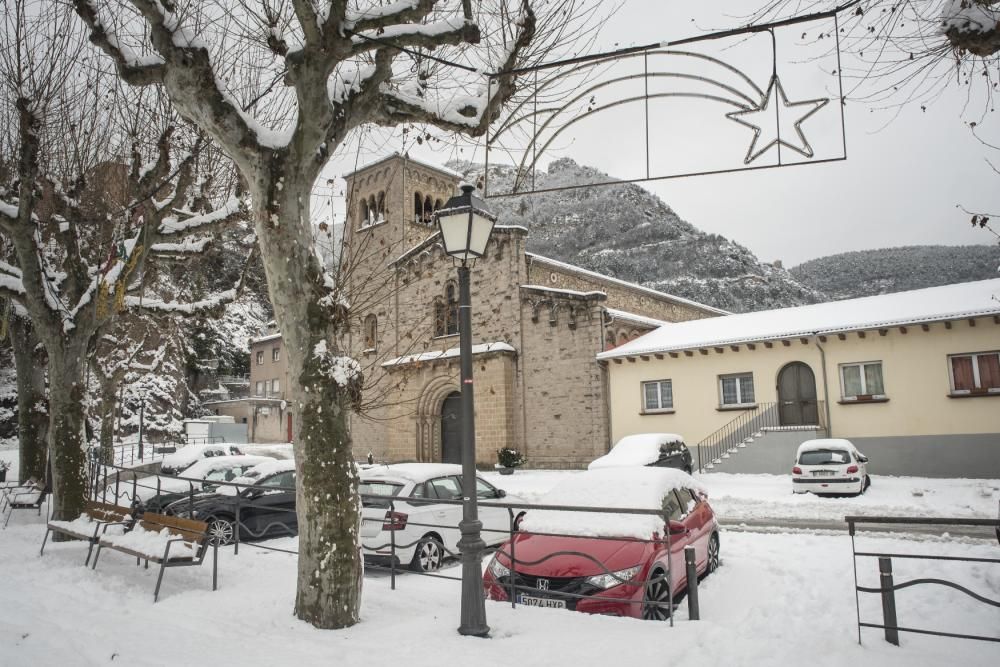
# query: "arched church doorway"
(451, 428)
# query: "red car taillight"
(852, 469)
(394, 521)
(796, 470)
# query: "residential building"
(912, 378)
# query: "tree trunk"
(66, 443)
(32, 405)
(108, 405)
(330, 565)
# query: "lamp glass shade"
(455, 232)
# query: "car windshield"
(820, 457)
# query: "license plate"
(531, 601)
(823, 473)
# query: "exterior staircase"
(756, 442)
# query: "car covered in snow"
(154, 494)
(173, 464)
(263, 504)
(609, 562)
(830, 466)
(398, 507)
(662, 450)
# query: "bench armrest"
(104, 526)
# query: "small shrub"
(510, 458)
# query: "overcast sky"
(905, 172)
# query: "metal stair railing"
(719, 444)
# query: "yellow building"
(912, 378)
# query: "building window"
(862, 381)
(363, 213)
(260, 357)
(975, 373)
(736, 390)
(370, 331)
(446, 312)
(657, 395)
(259, 388)
(275, 353)
(275, 386)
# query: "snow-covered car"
(610, 562)
(660, 450)
(830, 466)
(425, 533)
(173, 464)
(155, 493)
(265, 505)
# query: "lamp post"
(142, 411)
(465, 227)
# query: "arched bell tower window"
(446, 312)
(372, 211)
(363, 213)
(418, 208)
(370, 331)
(380, 211)
(438, 204)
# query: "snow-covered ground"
(736, 497)
(779, 599)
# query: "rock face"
(869, 272)
(629, 233)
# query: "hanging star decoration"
(749, 115)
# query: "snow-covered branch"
(454, 30)
(198, 223)
(213, 302)
(135, 70)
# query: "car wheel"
(221, 529)
(656, 602)
(713, 555)
(428, 556)
(868, 482)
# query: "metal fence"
(253, 517)
(888, 586)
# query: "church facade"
(537, 325)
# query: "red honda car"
(609, 562)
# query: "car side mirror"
(676, 528)
(862, 458)
(501, 493)
(252, 492)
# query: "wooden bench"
(155, 536)
(89, 524)
(27, 496)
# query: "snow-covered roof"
(397, 154)
(825, 443)
(639, 449)
(624, 283)
(451, 352)
(611, 488)
(933, 304)
(414, 472)
(568, 292)
(632, 317)
(263, 339)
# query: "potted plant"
(509, 458)
(4, 467)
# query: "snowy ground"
(779, 599)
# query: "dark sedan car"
(658, 450)
(265, 507)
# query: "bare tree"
(280, 84)
(84, 210)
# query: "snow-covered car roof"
(188, 454)
(639, 449)
(200, 469)
(611, 488)
(412, 472)
(825, 443)
(252, 476)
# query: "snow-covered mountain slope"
(627, 232)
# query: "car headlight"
(614, 578)
(187, 514)
(498, 569)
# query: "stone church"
(537, 325)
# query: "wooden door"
(797, 405)
(451, 428)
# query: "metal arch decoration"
(750, 105)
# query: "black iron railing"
(888, 586)
(749, 424)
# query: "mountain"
(629, 233)
(868, 272)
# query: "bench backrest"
(105, 512)
(190, 529)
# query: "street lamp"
(465, 227)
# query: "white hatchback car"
(830, 466)
(424, 533)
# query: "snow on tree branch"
(212, 303)
(225, 213)
(135, 70)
